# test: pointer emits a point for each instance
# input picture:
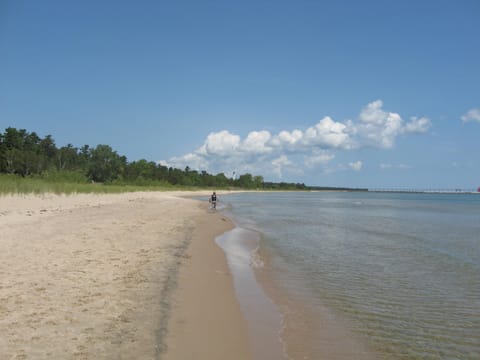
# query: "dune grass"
(12, 184)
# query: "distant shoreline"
(414, 191)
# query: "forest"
(25, 154)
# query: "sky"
(372, 93)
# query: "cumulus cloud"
(221, 143)
(328, 134)
(288, 138)
(380, 128)
(472, 115)
(290, 150)
(256, 142)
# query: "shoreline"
(206, 321)
(264, 319)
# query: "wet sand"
(96, 276)
(264, 320)
(206, 321)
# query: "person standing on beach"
(213, 200)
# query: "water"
(263, 318)
(402, 270)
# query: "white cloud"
(318, 157)
(280, 163)
(472, 115)
(256, 142)
(287, 140)
(379, 128)
(418, 125)
(327, 134)
(265, 153)
(357, 165)
(221, 143)
(373, 113)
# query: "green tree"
(105, 165)
(67, 158)
(246, 181)
(31, 142)
(13, 138)
(176, 176)
(3, 148)
(141, 169)
(48, 148)
(84, 156)
(221, 180)
(258, 181)
(12, 160)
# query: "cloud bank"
(296, 150)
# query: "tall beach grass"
(70, 183)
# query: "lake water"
(402, 271)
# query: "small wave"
(256, 260)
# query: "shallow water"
(264, 320)
(402, 270)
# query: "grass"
(13, 184)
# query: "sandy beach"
(124, 276)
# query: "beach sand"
(124, 276)
(206, 321)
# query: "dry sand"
(95, 277)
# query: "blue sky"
(338, 93)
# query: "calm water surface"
(402, 269)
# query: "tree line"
(26, 154)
